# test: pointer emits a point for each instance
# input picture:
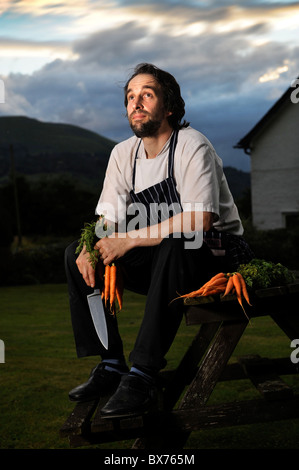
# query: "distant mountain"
(238, 181)
(41, 148)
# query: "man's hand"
(85, 268)
(113, 247)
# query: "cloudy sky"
(67, 60)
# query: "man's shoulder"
(126, 144)
(193, 136)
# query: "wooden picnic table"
(187, 389)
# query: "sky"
(67, 61)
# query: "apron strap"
(134, 167)
(173, 143)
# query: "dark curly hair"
(173, 101)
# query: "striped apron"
(160, 201)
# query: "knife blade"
(97, 311)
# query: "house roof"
(244, 143)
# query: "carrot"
(220, 287)
(215, 278)
(229, 286)
(119, 288)
(244, 288)
(216, 289)
(219, 280)
(194, 293)
(107, 283)
(212, 291)
(112, 285)
(211, 281)
(238, 287)
(119, 298)
(203, 291)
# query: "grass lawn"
(41, 367)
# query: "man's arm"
(115, 246)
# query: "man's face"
(145, 108)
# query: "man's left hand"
(113, 247)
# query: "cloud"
(20, 48)
(44, 7)
(216, 53)
(81, 17)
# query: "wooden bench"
(186, 390)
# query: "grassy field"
(41, 367)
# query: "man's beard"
(147, 129)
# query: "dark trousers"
(159, 272)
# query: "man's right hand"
(85, 268)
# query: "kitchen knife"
(97, 311)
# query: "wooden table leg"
(213, 364)
(210, 371)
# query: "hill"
(238, 180)
(43, 147)
(52, 148)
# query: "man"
(167, 164)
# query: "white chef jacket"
(198, 172)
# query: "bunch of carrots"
(223, 283)
(113, 287)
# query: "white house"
(273, 146)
